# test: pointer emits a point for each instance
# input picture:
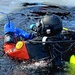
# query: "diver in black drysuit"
(49, 28)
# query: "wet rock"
(62, 13)
(39, 13)
(28, 4)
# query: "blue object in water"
(23, 34)
(9, 27)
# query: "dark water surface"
(22, 19)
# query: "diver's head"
(49, 25)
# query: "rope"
(63, 41)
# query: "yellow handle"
(65, 28)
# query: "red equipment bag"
(17, 51)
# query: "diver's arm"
(19, 32)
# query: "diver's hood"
(50, 25)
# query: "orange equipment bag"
(17, 51)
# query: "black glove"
(9, 38)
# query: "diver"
(47, 27)
(50, 28)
